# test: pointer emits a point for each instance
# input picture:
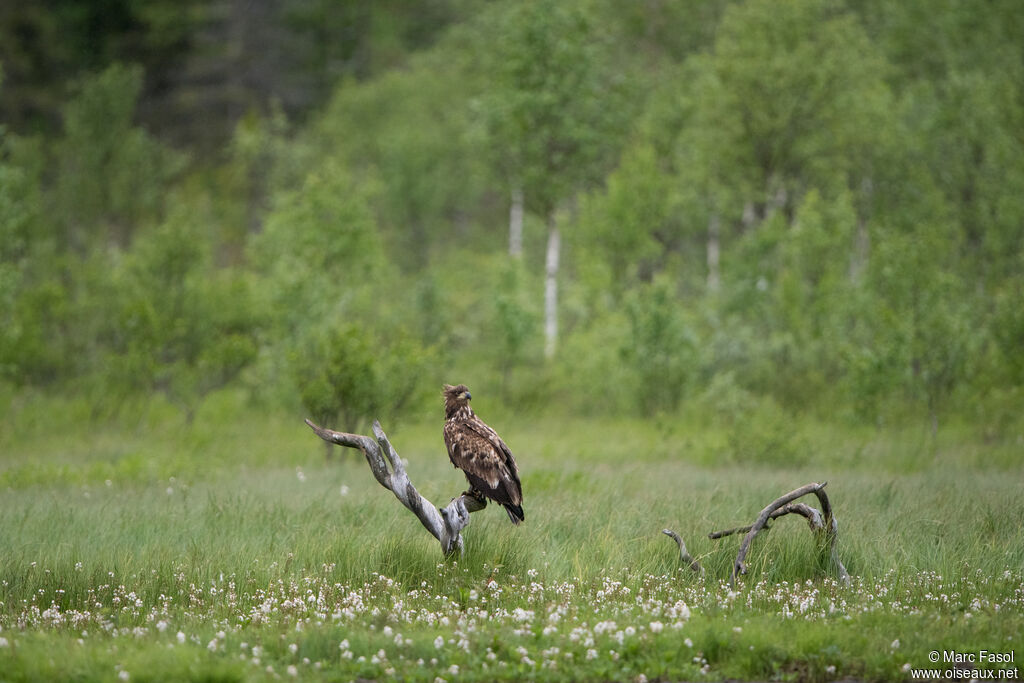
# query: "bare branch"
(684, 555)
(813, 520)
(831, 531)
(444, 524)
(740, 567)
(822, 524)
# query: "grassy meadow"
(228, 548)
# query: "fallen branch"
(822, 524)
(684, 555)
(445, 524)
(812, 515)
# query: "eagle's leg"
(476, 496)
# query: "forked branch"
(445, 524)
(822, 524)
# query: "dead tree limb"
(822, 524)
(830, 533)
(445, 524)
(684, 554)
(813, 520)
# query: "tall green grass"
(174, 509)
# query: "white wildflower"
(656, 626)
(181, 638)
(124, 675)
(293, 670)
(439, 642)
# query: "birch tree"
(554, 112)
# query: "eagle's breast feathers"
(483, 457)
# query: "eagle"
(479, 452)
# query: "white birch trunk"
(861, 240)
(515, 224)
(714, 246)
(551, 291)
(749, 215)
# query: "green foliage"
(818, 200)
(556, 108)
(516, 320)
(662, 347)
(179, 329)
(33, 302)
(626, 224)
(318, 251)
(919, 317)
(808, 87)
(432, 160)
(757, 429)
(111, 175)
(348, 377)
(337, 378)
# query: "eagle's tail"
(515, 513)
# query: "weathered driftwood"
(684, 554)
(812, 515)
(822, 524)
(445, 524)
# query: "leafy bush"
(662, 347)
(757, 429)
(180, 329)
(348, 376)
(112, 176)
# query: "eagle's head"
(456, 399)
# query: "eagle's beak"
(467, 395)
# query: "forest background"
(735, 213)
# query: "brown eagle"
(479, 452)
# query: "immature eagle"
(480, 453)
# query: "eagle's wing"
(477, 450)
